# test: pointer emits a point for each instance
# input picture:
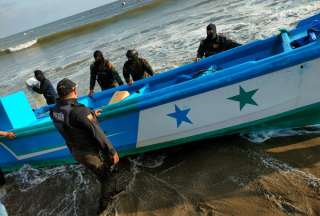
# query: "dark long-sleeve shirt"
(80, 128)
(211, 46)
(47, 89)
(105, 74)
(136, 69)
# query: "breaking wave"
(19, 47)
(80, 29)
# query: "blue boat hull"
(264, 84)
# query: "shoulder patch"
(58, 116)
(90, 117)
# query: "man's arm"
(8, 135)
(229, 44)
(126, 74)
(47, 88)
(3, 133)
(93, 77)
(115, 74)
(200, 52)
(117, 77)
(86, 119)
(37, 89)
(147, 67)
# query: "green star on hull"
(244, 97)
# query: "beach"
(222, 176)
(275, 172)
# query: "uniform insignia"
(90, 117)
(59, 116)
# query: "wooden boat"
(271, 83)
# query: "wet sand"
(223, 176)
(229, 176)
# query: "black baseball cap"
(65, 87)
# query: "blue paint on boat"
(11, 116)
(38, 141)
(124, 135)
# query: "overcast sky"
(21, 15)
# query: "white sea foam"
(264, 135)
(23, 46)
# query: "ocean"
(265, 173)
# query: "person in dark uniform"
(136, 68)
(85, 139)
(45, 87)
(104, 72)
(214, 43)
(8, 135)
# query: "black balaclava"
(98, 56)
(213, 34)
(38, 74)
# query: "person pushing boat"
(214, 43)
(85, 139)
(104, 72)
(136, 68)
(45, 88)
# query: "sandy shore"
(224, 176)
(229, 176)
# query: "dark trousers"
(101, 169)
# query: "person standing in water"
(45, 87)
(136, 68)
(214, 43)
(104, 72)
(85, 139)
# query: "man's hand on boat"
(98, 112)
(8, 135)
(115, 158)
(196, 59)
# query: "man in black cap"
(214, 43)
(85, 139)
(104, 72)
(45, 87)
(136, 68)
